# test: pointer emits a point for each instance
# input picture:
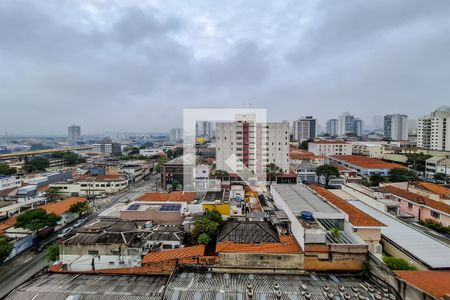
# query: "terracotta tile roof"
(63, 206)
(300, 154)
(6, 192)
(174, 254)
(356, 216)
(7, 224)
(287, 245)
(367, 162)
(172, 197)
(330, 142)
(440, 190)
(416, 198)
(435, 283)
(102, 178)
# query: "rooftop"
(248, 232)
(299, 199)
(101, 287)
(367, 162)
(430, 251)
(63, 206)
(356, 217)
(186, 159)
(287, 244)
(170, 197)
(179, 253)
(416, 198)
(330, 142)
(440, 190)
(435, 283)
(203, 285)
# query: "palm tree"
(272, 171)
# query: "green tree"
(401, 174)
(175, 185)
(35, 220)
(6, 246)
(272, 171)
(79, 208)
(327, 171)
(52, 253)
(36, 164)
(53, 193)
(162, 160)
(304, 145)
(417, 160)
(439, 176)
(204, 225)
(376, 179)
(394, 263)
(221, 174)
(215, 216)
(6, 170)
(203, 238)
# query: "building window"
(93, 252)
(435, 214)
(410, 206)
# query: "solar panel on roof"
(133, 207)
(170, 207)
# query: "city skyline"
(138, 64)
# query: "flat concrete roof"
(423, 247)
(299, 198)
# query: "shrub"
(204, 238)
(394, 263)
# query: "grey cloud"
(134, 67)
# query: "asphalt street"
(21, 268)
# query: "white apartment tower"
(305, 128)
(396, 127)
(176, 135)
(74, 133)
(332, 127)
(346, 124)
(433, 131)
(247, 144)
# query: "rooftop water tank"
(306, 215)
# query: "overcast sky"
(133, 65)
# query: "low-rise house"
(181, 170)
(8, 182)
(164, 237)
(88, 185)
(104, 244)
(333, 236)
(421, 207)
(437, 164)
(306, 172)
(372, 150)
(256, 245)
(164, 212)
(365, 166)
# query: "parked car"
(65, 232)
(79, 222)
(44, 245)
(101, 196)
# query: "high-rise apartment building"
(433, 131)
(204, 129)
(305, 128)
(396, 127)
(346, 124)
(176, 135)
(247, 144)
(74, 133)
(357, 127)
(332, 127)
